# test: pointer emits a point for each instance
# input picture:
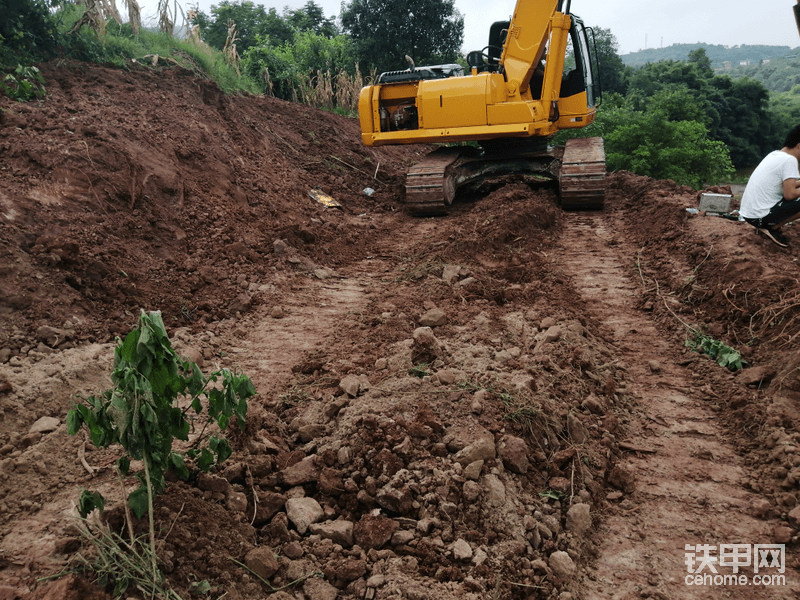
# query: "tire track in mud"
(273, 345)
(688, 490)
(314, 311)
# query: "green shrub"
(24, 84)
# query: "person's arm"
(791, 188)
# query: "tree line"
(719, 55)
(282, 49)
(683, 120)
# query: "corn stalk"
(92, 17)
(166, 22)
(134, 15)
(110, 11)
(229, 50)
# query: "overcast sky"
(637, 24)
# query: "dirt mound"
(142, 188)
(719, 277)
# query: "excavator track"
(430, 189)
(431, 184)
(582, 181)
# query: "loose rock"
(433, 318)
(302, 512)
(579, 519)
(562, 565)
(45, 425)
(262, 562)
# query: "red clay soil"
(492, 404)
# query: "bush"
(274, 73)
(25, 83)
(143, 414)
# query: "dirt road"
(493, 404)
(686, 473)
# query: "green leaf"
(205, 460)
(221, 448)
(200, 588)
(120, 585)
(89, 501)
(552, 494)
(178, 465)
(74, 421)
(196, 383)
(126, 351)
(183, 428)
(120, 413)
(137, 500)
(124, 464)
(216, 403)
(223, 422)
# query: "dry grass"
(229, 50)
(779, 322)
(114, 562)
(331, 91)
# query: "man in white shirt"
(770, 198)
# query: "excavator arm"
(526, 42)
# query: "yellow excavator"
(516, 95)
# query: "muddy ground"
(494, 404)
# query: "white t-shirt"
(765, 187)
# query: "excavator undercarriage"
(580, 172)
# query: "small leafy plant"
(24, 84)
(724, 355)
(150, 405)
(551, 494)
(420, 370)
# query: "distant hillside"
(721, 56)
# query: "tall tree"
(386, 30)
(746, 125)
(649, 143)
(700, 58)
(255, 26)
(311, 18)
(249, 18)
(276, 30)
(736, 111)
